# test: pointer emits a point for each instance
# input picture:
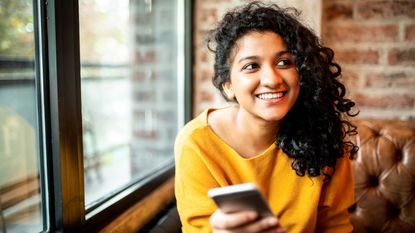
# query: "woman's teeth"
(267, 96)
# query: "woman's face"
(263, 76)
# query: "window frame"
(58, 86)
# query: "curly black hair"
(314, 132)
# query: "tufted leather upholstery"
(384, 170)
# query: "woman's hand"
(244, 222)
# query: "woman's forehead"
(255, 43)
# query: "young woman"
(285, 133)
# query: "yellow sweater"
(303, 204)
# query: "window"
(93, 93)
(129, 90)
(20, 192)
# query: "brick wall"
(373, 42)
(154, 82)
(206, 14)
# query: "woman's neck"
(246, 135)
(261, 133)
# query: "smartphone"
(240, 197)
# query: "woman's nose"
(270, 77)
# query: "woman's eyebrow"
(278, 54)
(247, 58)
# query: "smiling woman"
(286, 123)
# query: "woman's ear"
(227, 87)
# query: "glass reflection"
(129, 80)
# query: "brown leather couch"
(384, 171)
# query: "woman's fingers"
(244, 222)
(220, 220)
(269, 224)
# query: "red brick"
(402, 56)
(206, 75)
(143, 19)
(144, 96)
(146, 57)
(356, 56)
(141, 130)
(204, 96)
(362, 33)
(410, 33)
(141, 76)
(209, 16)
(349, 79)
(145, 134)
(385, 9)
(217, 1)
(203, 56)
(392, 101)
(337, 10)
(384, 79)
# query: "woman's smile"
(272, 97)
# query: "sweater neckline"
(226, 145)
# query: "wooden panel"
(142, 212)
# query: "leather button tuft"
(377, 133)
(394, 212)
(398, 156)
(373, 181)
(352, 208)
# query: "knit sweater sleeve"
(337, 196)
(193, 179)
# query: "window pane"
(129, 90)
(20, 199)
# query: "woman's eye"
(284, 62)
(251, 66)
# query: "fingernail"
(272, 222)
(281, 230)
(252, 215)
